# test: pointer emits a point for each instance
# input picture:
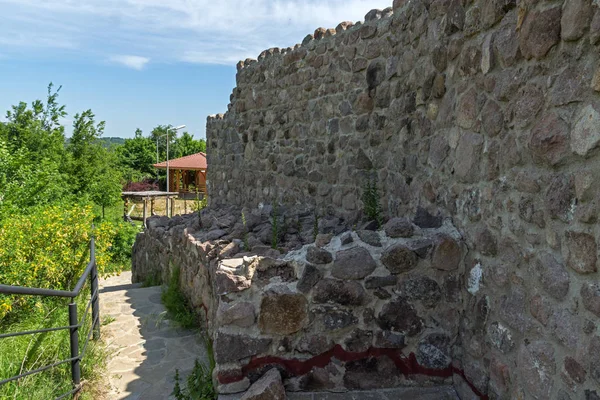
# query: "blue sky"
(141, 63)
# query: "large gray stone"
(398, 258)
(537, 368)
(553, 276)
(400, 316)
(232, 347)
(240, 314)
(500, 337)
(566, 328)
(355, 263)
(585, 135)
(549, 139)
(446, 254)
(581, 252)
(310, 277)
(468, 157)
(590, 297)
(369, 237)
(282, 314)
(268, 387)
(560, 198)
(316, 255)
(540, 32)
(575, 19)
(422, 289)
(340, 292)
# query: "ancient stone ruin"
(479, 123)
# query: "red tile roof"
(192, 162)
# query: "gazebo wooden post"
(152, 206)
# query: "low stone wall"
(354, 310)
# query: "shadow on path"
(146, 348)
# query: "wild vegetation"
(55, 193)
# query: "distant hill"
(106, 142)
(110, 141)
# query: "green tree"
(136, 156)
(105, 190)
(88, 157)
(37, 129)
(186, 145)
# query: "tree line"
(40, 166)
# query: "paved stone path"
(145, 347)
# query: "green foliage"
(371, 199)
(89, 160)
(199, 384)
(48, 248)
(176, 304)
(245, 239)
(152, 279)
(136, 156)
(122, 242)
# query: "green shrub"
(122, 242)
(371, 199)
(199, 384)
(176, 304)
(48, 248)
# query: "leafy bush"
(122, 242)
(49, 248)
(142, 186)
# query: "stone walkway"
(145, 347)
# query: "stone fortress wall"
(485, 113)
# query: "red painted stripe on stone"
(407, 365)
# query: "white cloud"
(133, 62)
(200, 31)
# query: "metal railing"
(74, 326)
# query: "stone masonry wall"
(486, 112)
(361, 309)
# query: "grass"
(24, 353)
(199, 384)
(152, 279)
(176, 304)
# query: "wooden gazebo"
(186, 174)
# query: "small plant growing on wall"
(372, 200)
(199, 204)
(245, 239)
